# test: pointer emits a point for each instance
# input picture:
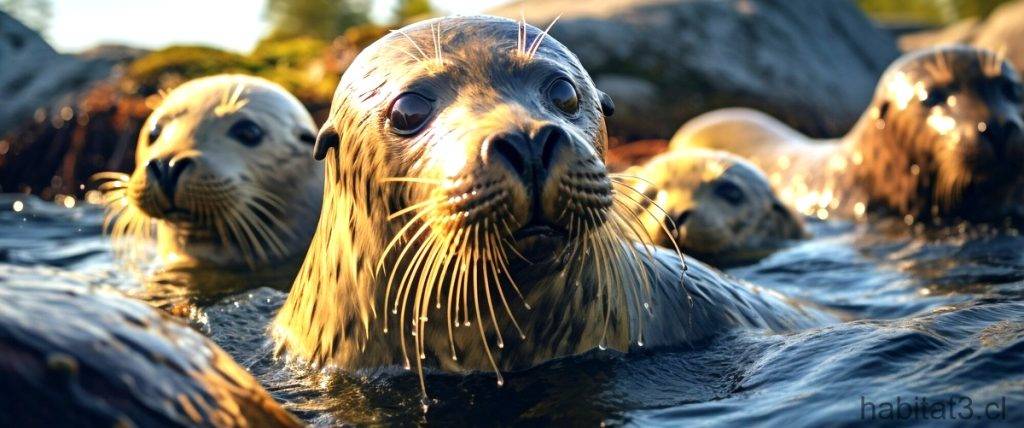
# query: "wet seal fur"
(940, 143)
(224, 177)
(469, 222)
(718, 207)
(80, 354)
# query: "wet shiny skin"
(926, 315)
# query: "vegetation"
(167, 67)
(322, 19)
(407, 10)
(928, 11)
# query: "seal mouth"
(538, 229)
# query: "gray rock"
(33, 75)
(1002, 30)
(811, 63)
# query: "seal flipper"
(327, 138)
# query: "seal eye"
(563, 95)
(935, 97)
(730, 192)
(155, 131)
(409, 112)
(246, 132)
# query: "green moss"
(184, 63)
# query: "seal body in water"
(76, 354)
(469, 222)
(223, 175)
(941, 142)
(718, 207)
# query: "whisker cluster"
(442, 257)
(247, 219)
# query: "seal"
(720, 208)
(469, 222)
(224, 180)
(940, 143)
(74, 351)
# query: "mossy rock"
(183, 63)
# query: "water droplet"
(501, 381)
(501, 345)
(640, 343)
(528, 307)
(602, 347)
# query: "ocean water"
(932, 333)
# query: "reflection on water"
(938, 315)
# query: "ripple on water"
(935, 316)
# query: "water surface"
(937, 316)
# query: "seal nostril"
(505, 147)
(682, 217)
(177, 166)
(549, 138)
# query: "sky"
(230, 24)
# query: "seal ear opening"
(607, 105)
(327, 138)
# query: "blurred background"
(78, 78)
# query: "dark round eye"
(563, 95)
(730, 192)
(409, 113)
(246, 132)
(1013, 90)
(154, 131)
(935, 97)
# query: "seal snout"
(166, 173)
(531, 156)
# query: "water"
(937, 315)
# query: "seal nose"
(530, 156)
(167, 172)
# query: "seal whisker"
(540, 38)
(423, 55)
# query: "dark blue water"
(934, 320)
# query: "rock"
(1002, 30)
(811, 63)
(75, 352)
(34, 75)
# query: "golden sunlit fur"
(434, 249)
(234, 205)
(722, 208)
(941, 141)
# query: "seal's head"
(464, 162)
(717, 206)
(223, 170)
(943, 135)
